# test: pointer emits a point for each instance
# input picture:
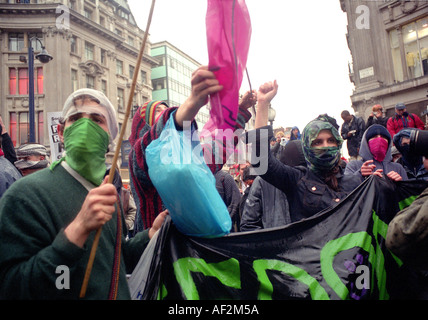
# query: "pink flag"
(228, 34)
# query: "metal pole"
(32, 136)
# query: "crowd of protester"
(48, 211)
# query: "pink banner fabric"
(228, 35)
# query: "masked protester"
(321, 183)
(32, 157)
(376, 156)
(412, 163)
(49, 218)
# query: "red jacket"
(396, 123)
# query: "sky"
(301, 44)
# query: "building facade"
(171, 79)
(94, 44)
(388, 40)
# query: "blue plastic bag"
(185, 183)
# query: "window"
(161, 60)
(23, 81)
(120, 99)
(143, 77)
(24, 127)
(123, 14)
(104, 86)
(89, 51)
(18, 81)
(172, 62)
(422, 26)
(102, 21)
(19, 128)
(119, 67)
(12, 127)
(118, 32)
(16, 41)
(73, 44)
(74, 82)
(396, 56)
(12, 81)
(87, 13)
(39, 78)
(36, 45)
(90, 82)
(131, 41)
(131, 71)
(103, 57)
(159, 84)
(410, 40)
(414, 41)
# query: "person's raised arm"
(265, 95)
(248, 100)
(204, 83)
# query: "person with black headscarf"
(321, 183)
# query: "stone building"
(388, 40)
(94, 43)
(171, 79)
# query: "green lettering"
(162, 293)
(266, 289)
(228, 272)
(380, 228)
(334, 247)
(406, 202)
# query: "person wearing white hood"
(48, 219)
(375, 151)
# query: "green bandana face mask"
(86, 145)
(321, 160)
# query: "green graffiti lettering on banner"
(333, 248)
(380, 228)
(266, 288)
(228, 272)
(406, 202)
(163, 292)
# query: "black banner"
(338, 254)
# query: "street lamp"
(43, 57)
(271, 115)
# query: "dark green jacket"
(34, 251)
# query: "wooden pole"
(116, 154)
(251, 90)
